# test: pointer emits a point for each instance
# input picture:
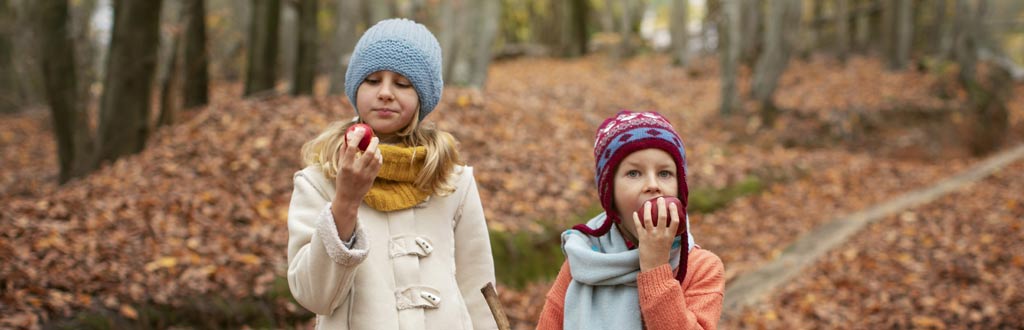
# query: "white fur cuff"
(340, 253)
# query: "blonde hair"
(438, 167)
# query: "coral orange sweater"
(664, 303)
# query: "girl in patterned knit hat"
(393, 236)
(626, 269)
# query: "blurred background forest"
(147, 147)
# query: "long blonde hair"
(438, 167)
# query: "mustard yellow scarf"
(394, 188)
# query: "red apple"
(367, 135)
(669, 201)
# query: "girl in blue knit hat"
(392, 237)
(636, 266)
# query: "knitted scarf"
(603, 291)
(395, 189)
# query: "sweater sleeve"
(552, 315)
(665, 304)
(474, 263)
(321, 268)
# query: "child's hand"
(656, 241)
(356, 171)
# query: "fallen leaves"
(949, 264)
(203, 209)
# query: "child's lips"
(385, 112)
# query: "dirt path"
(752, 286)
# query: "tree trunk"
(472, 54)
(87, 48)
(262, 73)
(8, 88)
(488, 17)
(889, 31)
(944, 32)
(680, 33)
(631, 11)
(548, 26)
(729, 45)
(712, 18)
(450, 25)
(131, 62)
(197, 76)
(305, 61)
(813, 33)
(966, 44)
(27, 67)
(904, 34)
(753, 28)
(774, 59)
(171, 86)
(607, 16)
(862, 26)
(842, 29)
(70, 122)
(987, 117)
(345, 38)
(574, 28)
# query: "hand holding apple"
(669, 201)
(364, 141)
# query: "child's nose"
(385, 92)
(651, 184)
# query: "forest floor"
(202, 211)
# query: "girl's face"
(642, 175)
(387, 102)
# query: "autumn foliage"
(202, 211)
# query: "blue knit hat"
(402, 46)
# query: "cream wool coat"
(418, 268)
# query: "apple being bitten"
(367, 135)
(669, 201)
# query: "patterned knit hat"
(622, 135)
(404, 47)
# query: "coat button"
(431, 297)
(424, 245)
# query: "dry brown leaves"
(955, 263)
(203, 209)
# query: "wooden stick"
(492, 301)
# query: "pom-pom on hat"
(622, 135)
(402, 46)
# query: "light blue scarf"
(603, 292)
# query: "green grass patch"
(709, 200)
(524, 257)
